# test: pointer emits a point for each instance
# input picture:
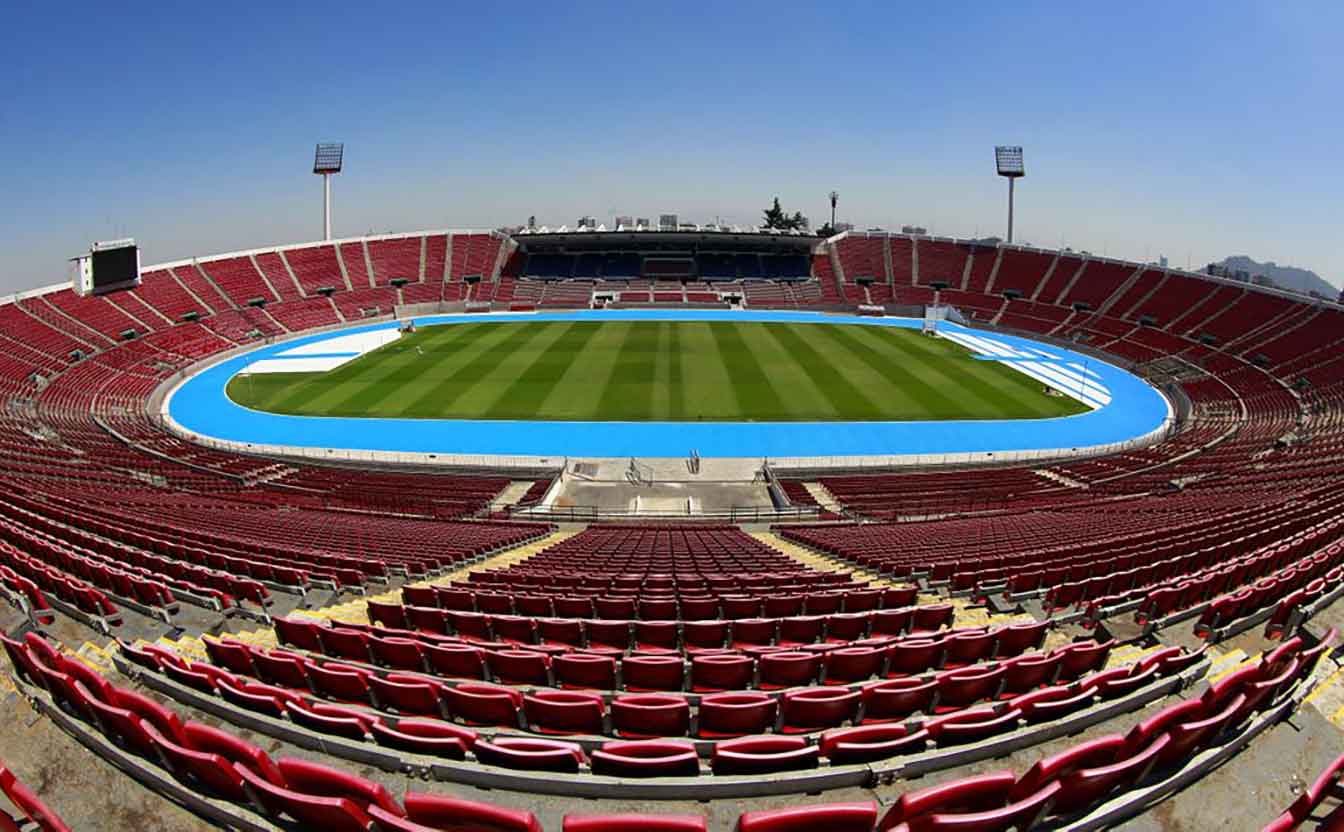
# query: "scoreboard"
(108, 267)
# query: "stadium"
(677, 529)
(596, 417)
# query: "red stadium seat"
(653, 673)
(869, 743)
(800, 630)
(853, 664)
(971, 725)
(433, 737)
(735, 714)
(331, 719)
(530, 754)
(763, 755)
(646, 758)
(753, 632)
(913, 656)
(432, 811)
(283, 669)
(317, 779)
(959, 688)
(1088, 786)
(408, 694)
(564, 712)
(833, 817)
(931, 618)
(345, 644)
(211, 773)
(653, 636)
(1082, 657)
(560, 632)
(397, 653)
(788, 669)
(1028, 673)
(336, 813)
(971, 794)
(456, 661)
(233, 656)
(608, 636)
(648, 715)
(704, 635)
(960, 649)
(811, 709)
(513, 629)
(519, 667)
(388, 615)
(641, 821)
(584, 670)
(485, 704)
(298, 633)
(1016, 639)
(344, 683)
(898, 698)
(714, 672)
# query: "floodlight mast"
(327, 160)
(1008, 159)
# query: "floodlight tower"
(1009, 161)
(326, 161)
(835, 197)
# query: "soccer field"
(660, 370)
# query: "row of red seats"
(1303, 581)
(57, 583)
(254, 558)
(1177, 583)
(1062, 785)
(1067, 785)
(619, 636)
(656, 668)
(909, 688)
(223, 766)
(662, 572)
(784, 600)
(883, 735)
(130, 575)
(1186, 591)
(659, 668)
(20, 587)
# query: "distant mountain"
(1287, 277)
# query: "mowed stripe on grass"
(660, 370)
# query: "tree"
(776, 218)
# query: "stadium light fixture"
(327, 160)
(835, 197)
(1008, 159)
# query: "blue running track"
(1131, 409)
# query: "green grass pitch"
(660, 370)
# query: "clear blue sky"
(1194, 130)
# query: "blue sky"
(1194, 130)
